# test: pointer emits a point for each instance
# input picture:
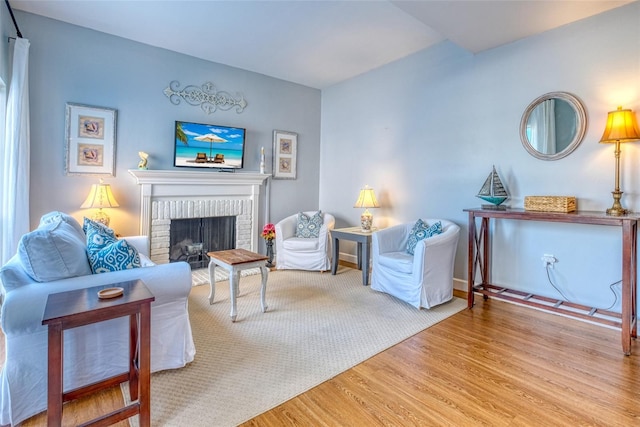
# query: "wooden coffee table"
(66, 310)
(234, 261)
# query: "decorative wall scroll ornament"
(206, 96)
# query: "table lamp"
(100, 197)
(621, 127)
(366, 199)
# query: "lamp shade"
(366, 199)
(621, 126)
(100, 197)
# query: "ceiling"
(315, 43)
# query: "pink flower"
(269, 232)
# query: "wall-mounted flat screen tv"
(200, 145)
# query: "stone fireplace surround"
(175, 194)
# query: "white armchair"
(424, 279)
(303, 253)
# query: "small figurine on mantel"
(142, 165)
(493, 192)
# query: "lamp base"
(366, 220)
(617, 209)
(101, 217)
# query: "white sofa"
(91, 352)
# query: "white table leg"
(212, 281)
(234, 286)
(264, 271)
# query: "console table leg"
(628, 279)
(472, 257)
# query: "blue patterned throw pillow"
(98, 235)
(114, 257)
(104, 250)
(421, 230)
(309, 226)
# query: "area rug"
(316, 326)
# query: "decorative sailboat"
(493, 191)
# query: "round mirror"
(553, 125)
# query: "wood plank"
(499, 364)
(236, 256)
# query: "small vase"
(270, 253)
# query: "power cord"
(615, 295)
(552, 284)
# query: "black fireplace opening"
(191, 239)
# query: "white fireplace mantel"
(156, 185)
(178, 177)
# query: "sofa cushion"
(56, 216)
(309, 226)
(53, 251)
(300, 244)
(115, 256)
(400, 262)
(420, 231)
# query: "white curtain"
(543, 129)
(15, 155)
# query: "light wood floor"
(495, 365)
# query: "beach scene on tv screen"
(202, 145)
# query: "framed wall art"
(90, 146)
(285, 147)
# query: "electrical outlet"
(548, 260)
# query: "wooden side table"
(234, 261)
(363, 238)
(66, 310)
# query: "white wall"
(74, 64)
(424, 132)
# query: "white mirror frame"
(581, 125)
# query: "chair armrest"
(141, 243)
(440, 249)
(286, 228)
(392, 239)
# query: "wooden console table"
(479, 249)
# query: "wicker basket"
(550, 203)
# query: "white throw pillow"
(54, 251)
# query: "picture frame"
(285, 148)
(90, 140)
